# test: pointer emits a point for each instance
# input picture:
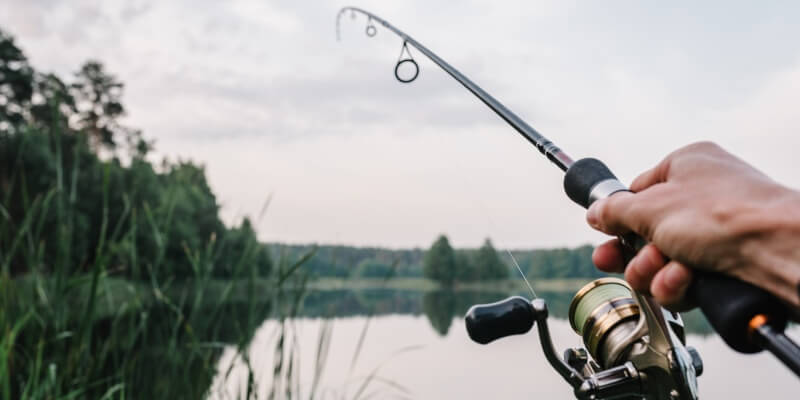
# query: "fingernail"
(592, 216)
(675, 277)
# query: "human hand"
(702, 207)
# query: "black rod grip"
(728, 303)
(582, 177)
(489, 322)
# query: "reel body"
(634, 349)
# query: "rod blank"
(545, 146)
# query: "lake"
(384, 344)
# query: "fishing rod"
(637, 348)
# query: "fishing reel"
(634, 349)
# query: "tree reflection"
(440, 308)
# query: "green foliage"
(371, 268)
(16, 77)
(489, 265)
(558, 263)
(445, 266)
(241, 242)
(466, 269)
(97, 99)
(346, 261)
(440, 262)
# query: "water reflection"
(169, 359)
(370, 332)
(453, 367)
(439, 306)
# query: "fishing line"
(493, 228)
(516, 264)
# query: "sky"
(262, 94)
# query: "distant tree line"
(77, 179)
(444, 262)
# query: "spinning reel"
(634, 349)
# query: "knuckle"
(705, 145)
(699, 148)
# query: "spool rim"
(585, 289)
(604, 323)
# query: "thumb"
(615, 215)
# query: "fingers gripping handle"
(728, 303)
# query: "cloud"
(262, 93)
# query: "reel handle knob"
(489, 322)
(729, 304)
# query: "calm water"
(415, 346)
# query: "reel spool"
(605, 314)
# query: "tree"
(489, 264)
(98, 98)
(440, 262)
(466, 270)
(51, 105)
(240, 254)
(16, 83)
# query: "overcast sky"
(261, 93)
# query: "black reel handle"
(488, 322)
(729, 304)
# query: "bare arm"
(703, 207)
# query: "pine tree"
(440, 262)
(16, 83)
(489, 264)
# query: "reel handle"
(489, 322)
(729, 304)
